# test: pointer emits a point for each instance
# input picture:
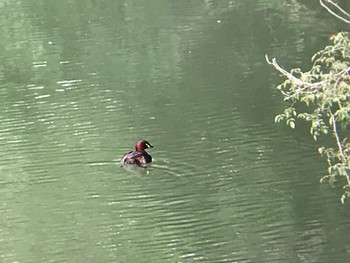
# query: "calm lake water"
(82, 81)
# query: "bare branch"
(337, 8)
(290, 76)
(340, 148)
(341, 73)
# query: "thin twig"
(290, 76)
(333, 13)
(341, 151)
(339, 8)
(341, 73)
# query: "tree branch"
(337, 8)
(341, 73)
(344, 158)
(315, 86)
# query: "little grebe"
(139, 157)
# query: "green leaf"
(278, 118)
(323, 93)
(292, 124)
(342, 199)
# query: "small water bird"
(139, 157)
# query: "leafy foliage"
(325, 91)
